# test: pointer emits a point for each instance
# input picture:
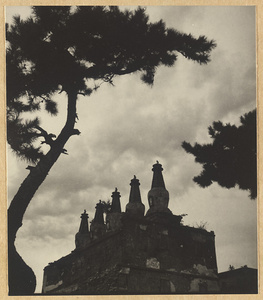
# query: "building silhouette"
(134, 252)
(243, 280)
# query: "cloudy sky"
(127, 127)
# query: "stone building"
(136, 253)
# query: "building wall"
(72, 274)
(180, 248)
(141, 257)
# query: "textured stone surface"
(142, 257)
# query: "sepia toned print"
(96, 96)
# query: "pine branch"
(47, 136)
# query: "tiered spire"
(116, 204)
(99, 213)
(158, 196)
(84, 225)
(97, 227)
(82, 238)
(135, 194)
(114, 215)
(157, 181)
(135, 205)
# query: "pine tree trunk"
(21, 277)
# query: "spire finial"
(84, 215)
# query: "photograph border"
(3, 161)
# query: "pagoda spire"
(135, 205)
(82, 238)
(157, 180)
(84, 225)
(114, 215)
(97, 227)
(158, 196)
(116, 204)
(98, 218)
(135, 194)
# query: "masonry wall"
(73, 273)
(142, 257)
(176, 259)
(153, 281)
(175, 248)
